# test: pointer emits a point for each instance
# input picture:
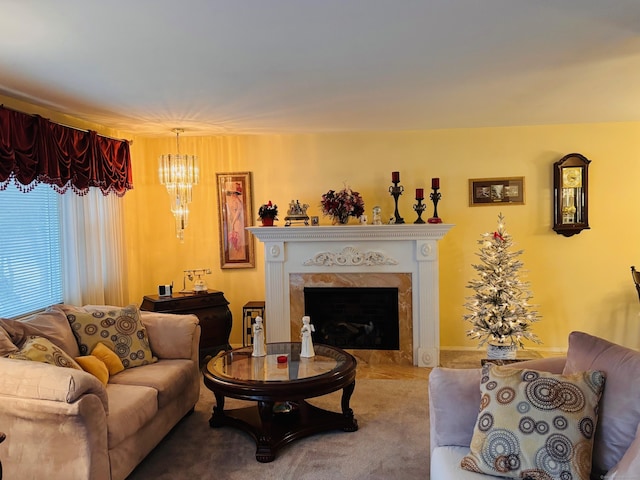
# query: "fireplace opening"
(354, 317)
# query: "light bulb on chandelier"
(178, 173)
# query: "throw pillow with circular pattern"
(535, 424)
(40, 349)
(118, 328)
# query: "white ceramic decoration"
(307, 343)
(259, 349)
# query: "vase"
(267, 222)
(501, 351)
(341, 219)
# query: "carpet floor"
(392, 442)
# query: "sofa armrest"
(172, 336)
(41, 381)
(54, 439)
(454, 401)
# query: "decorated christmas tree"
(499, 309)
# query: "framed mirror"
(571, 194)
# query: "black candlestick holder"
(435, 198)
(395, 192)
(419, 208)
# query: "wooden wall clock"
(571, 194)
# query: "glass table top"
(239, 364)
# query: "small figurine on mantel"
(307, 343)
(259, 349)
(377, 218)
(297, 213)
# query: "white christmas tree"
(499, 309)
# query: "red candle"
(395, 177)
(435, 183)
(419, 193)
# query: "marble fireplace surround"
(404, 255)
(401, 281)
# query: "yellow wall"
(579, 283)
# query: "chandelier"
(179, 173)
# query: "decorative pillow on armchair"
(118, 328)
(535, 424)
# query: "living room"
(578, 283)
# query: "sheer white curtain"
(93, 249)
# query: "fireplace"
(400, 282)
(404, 257)
(354, 318)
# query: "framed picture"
(496, 191)
(236, 213)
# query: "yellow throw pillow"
(119, 328)
(95, 367)
(40, 349)
(108, 357)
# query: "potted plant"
(500, 314)
(268, 212)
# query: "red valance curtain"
(35, 150)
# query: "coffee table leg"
(347, 412)
(264, 451)
(217, 416)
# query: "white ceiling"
(265, 66)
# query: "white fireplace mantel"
(406, 248)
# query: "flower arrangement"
(268, 210)
(343, 204)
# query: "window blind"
(30, 259)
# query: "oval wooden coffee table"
(282, 414)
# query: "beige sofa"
(63, 423)
(455, 399)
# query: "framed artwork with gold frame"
(235, 214)
(496, 191)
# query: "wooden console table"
(210, 307)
